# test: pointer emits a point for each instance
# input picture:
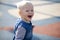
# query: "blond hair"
(22, 3)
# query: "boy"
(23, 30)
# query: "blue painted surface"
(45, 37)
(5, 35)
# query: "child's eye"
(27, 10)
(31, 10)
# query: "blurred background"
(46, 19)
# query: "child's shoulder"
(17, 24)
(17, 21)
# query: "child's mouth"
(30, 16)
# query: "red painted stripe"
(50, 29)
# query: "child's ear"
(19, 12)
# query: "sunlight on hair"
(22, 3)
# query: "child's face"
(27, 12)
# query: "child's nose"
(30, 12)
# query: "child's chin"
(29, 19)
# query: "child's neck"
(26, 20)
